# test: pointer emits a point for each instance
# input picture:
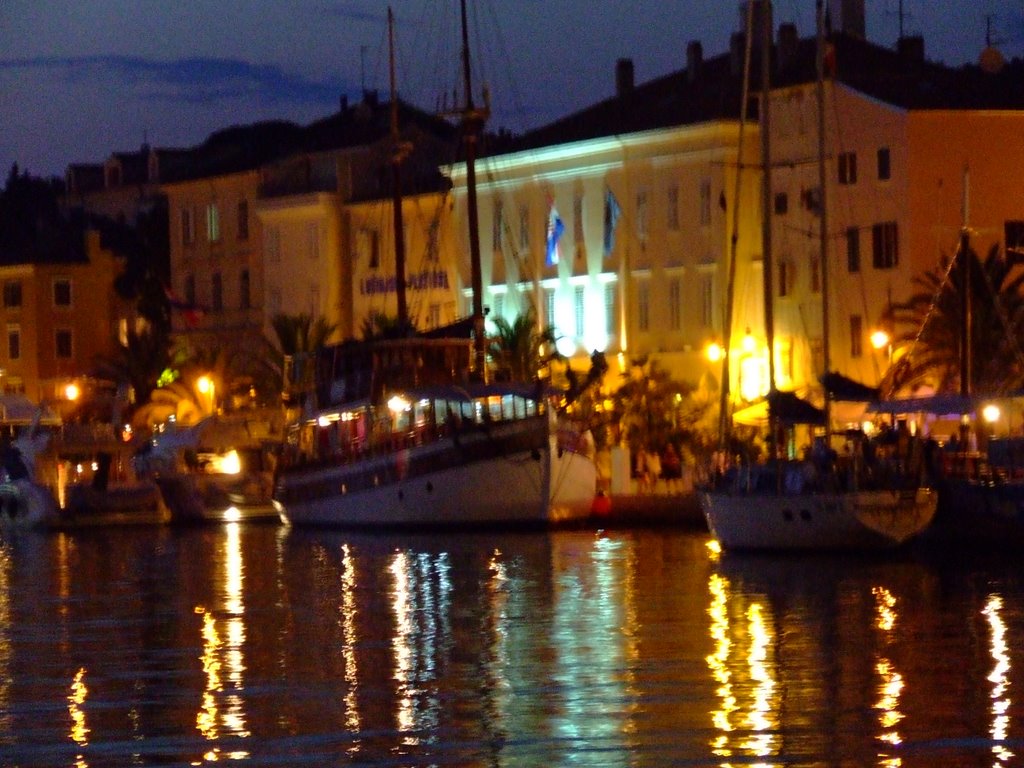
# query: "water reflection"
(891, 682)
(745, 680)
(999, 677)
(222, 710)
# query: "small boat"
(73, 475)
(814, 504)
(219, 470)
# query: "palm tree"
(932, 321)
(299, 337)
(519, 349)
(138, 363)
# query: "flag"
(191, 311)
(612, 211)
(555, 229)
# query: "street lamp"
(206, 386)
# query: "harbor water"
(268, 646)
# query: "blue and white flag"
(555, 229)
(612, 211)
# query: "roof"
(712, 89)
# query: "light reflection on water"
(265, 646)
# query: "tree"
(520, 349)
(929, 339)
(137, 364)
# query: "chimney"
(850, 14)
(623, 77)
(694, 59)
(787, 46)
(911, 49)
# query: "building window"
(609, 308)
(244, 290)
(314, 301)
(12, 294)
(190, 289)
(499, 305)
(62, 343)
(643, 305)
(705, 202)
(549, 306)
(856, 336)
(673, 208)
(885, 245)
(433, 315)
(524, 228)
(1013, 232)
(641, 215)
(577, 220)
(62, 292)
(578, 311)
(243, 220)
(368, 247)
(497, 224)
(188, 226)
(884, 164)
(786, 277)
(781, 203)
(433, 246)
(852, 249)
(313, 240)
(675, 304)
(213, 223)
(216, 292)
(13, 342)
(847, 167)
(815, 274)
(707, 301)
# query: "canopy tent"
(845, 389)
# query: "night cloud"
(194, 80)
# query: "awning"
(940, 405)
(785, 407)
(846, 389)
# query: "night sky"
(80, 79)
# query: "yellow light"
(714, 352)
(879, 339)
(748, 342)
(204, 384)
(397, 404)
(71, 392)
(226, 464)
(990, 413)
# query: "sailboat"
(779, 506)
(410, 432)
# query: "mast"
(766, 206)
(826, 348)
(472, 125)
(730, 290)
(965, 295)
(399, 151)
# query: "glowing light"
(397, 404)
(226, 463)
(879, 339)
(79, 730)
(990, 413)
(749, 344)
(72, 392)
(714, 352)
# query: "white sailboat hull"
(479, 479)
(868, 519)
